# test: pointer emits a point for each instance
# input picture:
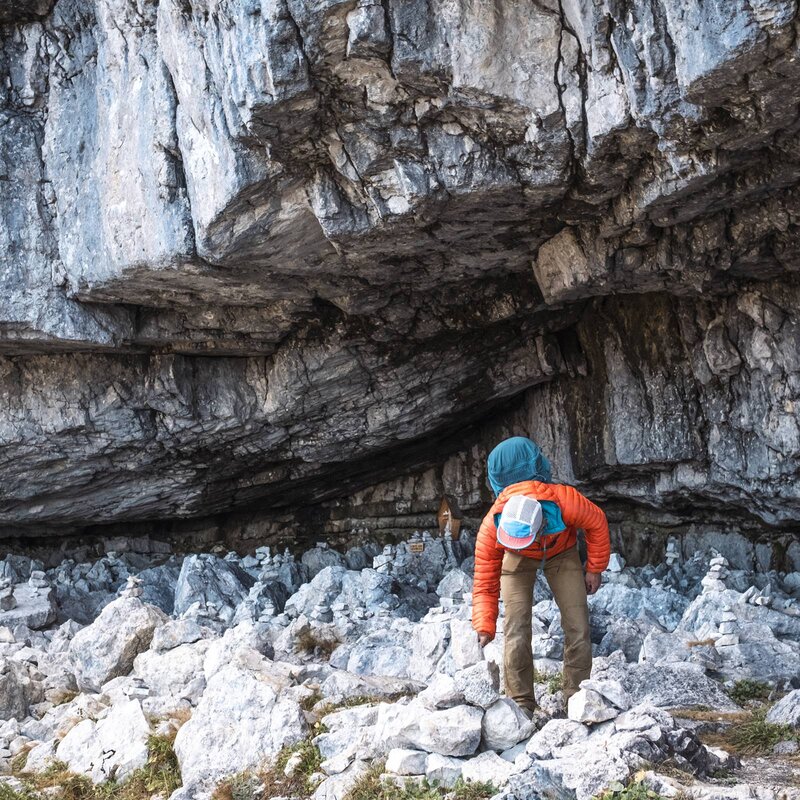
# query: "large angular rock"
(340, 685)
(172, 675)
(35, 608)
(554, 735)
(108, 647)
(406, 762)
(317, 558)
(674, 685)
(464, 646)
(455, 584)
(786, 711)
(213, 583)
(239, 721)
(111, 748)
(384, 653)
(428, 644)
(589, 706)
(441, 692)
(480, 684)
(450, 732)
(16, 690)
(487, 768)
(505, 724)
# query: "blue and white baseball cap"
(520, 522)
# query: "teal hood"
(517, 459)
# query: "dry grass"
(67, 696)
(701, 643)
(706, 714)
(309, 641)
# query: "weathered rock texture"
(266, 254)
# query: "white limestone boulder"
(406, 762)
(588, 706)
(108, 647)
(480, 684)
(239, 721)
(450, 732)
(786, 711)
(110, 749)
(465, 648)
(504, 724)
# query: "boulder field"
(364, 663)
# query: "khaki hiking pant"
(564, 573)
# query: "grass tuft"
(556, 683)
(757, 736)
(371, 787)
(272, 781)
(746, 690)
(633, 791)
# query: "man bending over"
(533, 525)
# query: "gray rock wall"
(256, 256)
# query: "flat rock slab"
(35, 608)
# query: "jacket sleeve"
(486, 585)
(580, 512)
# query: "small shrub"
(272, 781)
(18, 762)
(747, 689)
(7, 793)
(307, 703)
(161, 774)
(244, 786)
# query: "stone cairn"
(132, 588)
(383, 561)
(7, 601)
(714, 581)
(758, 597)
(38, 581)
(728, 628)
(673, 554)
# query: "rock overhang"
(350, 198)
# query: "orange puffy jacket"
(577, 512)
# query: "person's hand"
(592, 581)
(485, 638)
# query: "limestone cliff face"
(258, 255)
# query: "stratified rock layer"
(269, 254)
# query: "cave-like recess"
(281, 265)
